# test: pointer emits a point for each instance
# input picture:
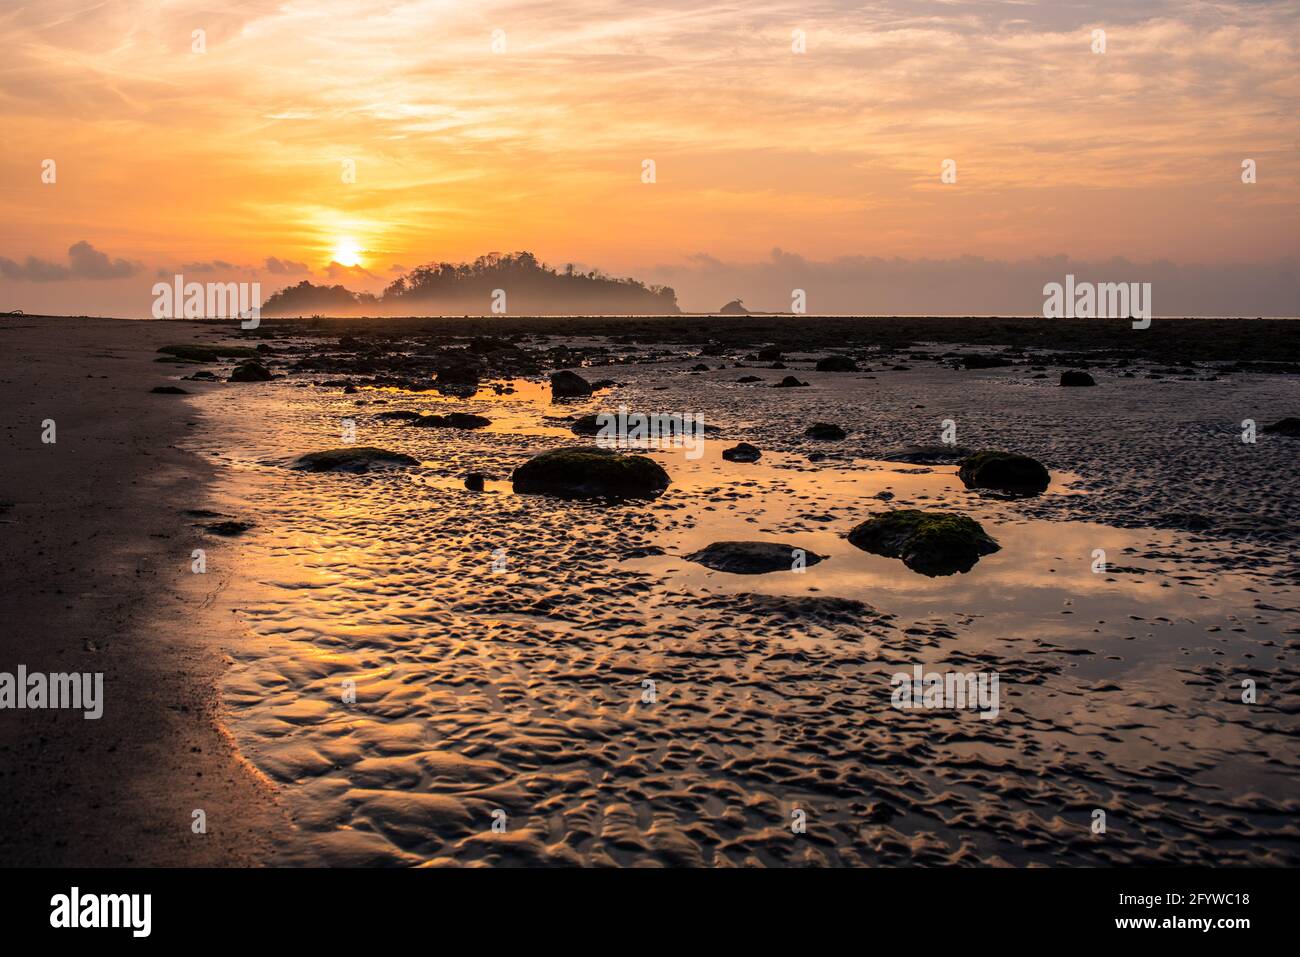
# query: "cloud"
(972, 285)
(285, 267)
(84, 262)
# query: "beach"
(391, 668)
(97, 579)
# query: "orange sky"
(167, 157)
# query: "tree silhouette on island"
(515, 284)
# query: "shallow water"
(518, 696)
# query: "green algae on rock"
(1004, 471)
(357, 458)
(932, 543)
(590, 472)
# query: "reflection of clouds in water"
(521, 690)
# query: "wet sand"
(517, 696)
(95, 577)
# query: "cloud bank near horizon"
(847, 285)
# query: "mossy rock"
(452, 420)
(358, 458)
(198, 353)
(589, 472)
(1005, 472)
(931, 543)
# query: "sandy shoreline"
(96, 578)
(479, 693)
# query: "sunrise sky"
(229, 163)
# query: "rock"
(744, 452)
(979, 361)
(749, 378)
(1074, 377)
(1004, 471)
(399, 415)
(770, 354)
(926, 454)
(931, 543)
(196, 353)
(1289, 426)
(356, 458)
(586, 425)
(250, 372)
(169, 390)
(589, 472)
(700, 367)
(824, 430)
(836, 364)
(229, 529)
(752, 558)
(734, 308)
(789, 382)
(568, 385)
(474, 481)
(459, 369)
(452, 420)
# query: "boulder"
(744, 452)
(569, 385)
(250, 372)
(399, 415)
(931, 543)
(1005, 472)
(836, 364)
(356, 458)
(590, 472)
(824, 430)
(926, 454)
(769, 354)
(474, 481)
(1289, 426)
(169, 390)
(734, 308)
(752, 558)
(452, 420)
(789, 382)
(1076, 377)
(197, 353)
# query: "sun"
(347, 252)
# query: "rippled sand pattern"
(518, 696)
